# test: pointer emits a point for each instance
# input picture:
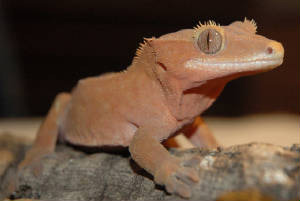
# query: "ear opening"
(162, 66)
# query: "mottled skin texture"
(171, 81)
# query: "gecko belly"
(94, 124)
(92, 134)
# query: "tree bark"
(263, 171)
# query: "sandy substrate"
(279, 129)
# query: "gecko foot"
(177, 177)
(32, 160)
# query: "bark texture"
(263, 171)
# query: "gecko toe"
(187, 175)
(179, 187)
(192, 162)
(183, 190)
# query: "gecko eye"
(210, 41)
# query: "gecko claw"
(187, 175)
(178, 187)
(192, 162)
(177, 178)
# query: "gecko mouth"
(235, 66)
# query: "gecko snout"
(275, 49)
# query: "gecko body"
(171, 81)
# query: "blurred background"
(47, 46)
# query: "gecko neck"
(185, 99)
(187, 103)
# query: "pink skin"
(169, 84)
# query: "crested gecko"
(171, 81)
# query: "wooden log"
(265, 171)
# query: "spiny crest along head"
(210, 51)
(247, 25)
(141, 48)
(206, 24)
(250, 25)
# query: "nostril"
(269, 50)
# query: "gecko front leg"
(167, 170)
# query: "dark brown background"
(46, 46)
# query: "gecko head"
(210, 51)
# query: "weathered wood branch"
(70, 174)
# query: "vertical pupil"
(207, 40)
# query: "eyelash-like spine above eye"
(206, 24)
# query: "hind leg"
(46, 137)
(200, 135)
(195, 134)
